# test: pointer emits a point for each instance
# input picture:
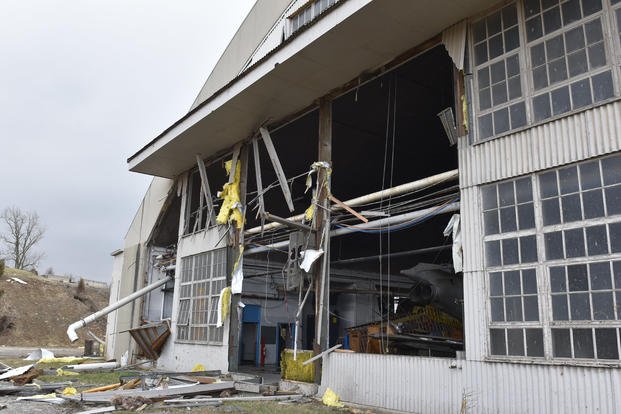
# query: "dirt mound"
(39, 312)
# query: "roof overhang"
(355, 36)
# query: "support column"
(322, 223)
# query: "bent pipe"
(73, 336)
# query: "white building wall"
(115, 284)
(441, 385)
(587, 134)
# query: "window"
(566, 52)
(203, 276)
(307, 13)
(553, 256)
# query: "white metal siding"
(430, 385)
(590, 133)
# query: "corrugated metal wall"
(432, 385)
(587, 134)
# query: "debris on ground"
(129, 402)
(39, 354)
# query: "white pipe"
(73, 336)
(93, 367)
(372, 197)
(413, 215)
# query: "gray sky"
(83, 85)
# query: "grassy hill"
(40, 312)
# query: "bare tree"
(23, 231)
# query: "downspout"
(73, 336)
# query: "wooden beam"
(349, 209)
(206, 190)
(324, 353)
(282, 178)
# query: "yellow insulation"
(231, 205)
(294, 370)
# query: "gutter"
(73, 336)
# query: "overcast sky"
(83, 85)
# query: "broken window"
(197, 212)
(203, 276)
(307, 13)
(576, 226)
(567, 53)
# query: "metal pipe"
(372, 197)
(393, 255)
(73, 336)
(413, 215)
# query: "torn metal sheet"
(309, 257)
(454, 227)
(282, 178)
(49, 398)
(18, 280)
(454, 40)
(15, 372)
(206, 190)
(38, 354)
(151, 338)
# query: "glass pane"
(613, 200)
(603, 306)
(574, 243)
(528, 249)
(606, 340)
(616, 274)
(559, 308)
(540, 80)
(571, 11)
(577, 278)
(492, 253)
(551, 211)
(518, 115)
(498, 72)
(479, 31)
(611, 168)
(602, 86)
(524, 190)
(485, 99)
(577, 65)
(531, 7)
(534, 342)
(513, 308)
(599, 274)
(495, 284)
(529, 281)
(615, 237)
(489, 197)
(541, 106)
(497, 308)
(557, 70)
(515, 88)
(557, 279)
(483, 77)
(554, 245)
(548, 185)
(507, 219)
(597, 56)
(512, 283)
(510, 251)
(513, 65)
(560, 100)
(593, 203)
(486, 126)
(531, 308)
(593, 30)
(597, 241)
(497, 342)
(574, 39)
(509, 16)
(568, 180)
(583, 343)
(490, 219)
(515, 342)
(538, 55)
(526, 216)
(555, 48)
(579, 306)
(480, 53)
(561, 344)
(534, 29)
(571, 208)
(501, 120)
(552, 20)
(505, 194)
(494, 23)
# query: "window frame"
(543, 267)
(215, 263)
(612, 47)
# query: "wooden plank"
(206, 190)
(282, 178)
(321, 355)
(349, 209)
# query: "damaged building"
(433, 186)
